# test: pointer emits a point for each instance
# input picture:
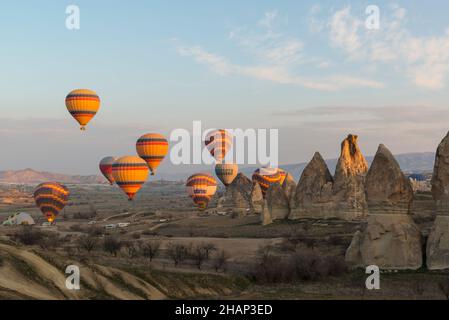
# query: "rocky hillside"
(30, 176)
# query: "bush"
(221, 261)
(87, 243)
(95, 231)
(28, 236)
(112, 245)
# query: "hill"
(30, 176)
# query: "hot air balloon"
(130, 173)
(218, 142)
(201, 188)
(106, 168)
(152, 148)
(283, 175)
(83, 105)
(265, 177)
(226, 172)
(51, 198)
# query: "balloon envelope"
(201, 188)
(83, 105)
(130, 173)
(106, 168)
(226, 172)
(51, 198)
(152, 148)
(283, 175)
(265, 177)
(218, 143)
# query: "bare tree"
(208, 248)
(131, 249)
(177, 252)
(87, 243)
(150, 249)
(221, 261)
(112, 245)
(199, 255)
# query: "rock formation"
(289, 186)
(313, 196)
(277, 202)
(237, 197)
(390, 240)
(348, 188)
(256, 199)
(438, 241)
(265, 217)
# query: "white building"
(19, 219)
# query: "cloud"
(275, 73)
(424, 60)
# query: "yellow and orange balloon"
(130, 173)
(201, 188)
(218, 143)
(83, 105)
(265, 177)
(152, 148)
(283, 175)
(51, 198)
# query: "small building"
(19, 219)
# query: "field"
(197, 256)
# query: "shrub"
(221, 261)
(112, 245)
(28, 236)
(87, 243)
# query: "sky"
(310, 69)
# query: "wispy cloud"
(274, 73)
(277, 58)
(424, 60)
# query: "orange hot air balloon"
(51, 198)
(130, 173)
(106, 168)
(83, 105)
(283, 175)
(201, 188)
(265, 177)
(218, 142)
(152, 148)
(226, 172)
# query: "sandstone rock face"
(289, 186)
(386, 187)
(266, 218)
(348, 188)
(237, 197)
(277, 202)
(313, 195)
(390, 240)
(256, 199)
(438, 241)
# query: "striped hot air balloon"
(51, 198)
(130, 173)
(218, 142)
(201, 188)
(265, 177)
(152, 148)
(83, 105)
(226, 172)
(283, 175)
(106, 168)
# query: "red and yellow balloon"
(265, 177)
(51, 198)
(106, 168)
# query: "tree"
(208, 248)
(112, 245)
(131, 249)
(150, 249)
(88, 243)
(177, 252)
(221, 261)
(199, 255)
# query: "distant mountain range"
(30, 176)
(409, 162)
